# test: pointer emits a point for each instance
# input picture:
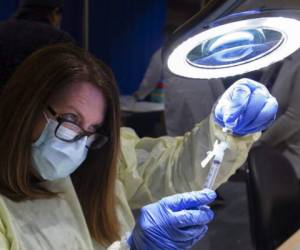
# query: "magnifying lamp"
(230, 46)
(234, 45)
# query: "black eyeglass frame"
(84, 133)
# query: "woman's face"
(83, 102)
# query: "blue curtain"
(125, 34)
(7, 8)
(72, 19)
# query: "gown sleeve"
(151, 168)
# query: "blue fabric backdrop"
(125, 34)
(72, 19)
(7, 7)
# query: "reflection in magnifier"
(235, 48)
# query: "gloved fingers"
(230, 106)
(204, 207)
(188, 200)
(268, 112)
(186, 238)
(266, 116)
(246, 107)
(201, 235)
(255, 104)
(193, 232)
(235, 100)
(188, 218)
(251, 84)
(200, 232)
(237, 104)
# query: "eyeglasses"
(74, 133)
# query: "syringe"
(217, 155)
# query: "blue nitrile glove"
(174, 222)
(246, 107)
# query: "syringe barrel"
(216, 164)
(212, 174)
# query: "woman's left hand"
(246, 107)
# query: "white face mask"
(54, 158)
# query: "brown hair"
(22, 102)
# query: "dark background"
(124, 33)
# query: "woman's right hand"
(174, 222)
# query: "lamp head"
(234, 45)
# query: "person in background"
(35, 25)
(151, 78)
(183, 107)
(284, 134)
(66, 122)
(155, 70)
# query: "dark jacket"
(20, 38)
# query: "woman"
(60, 111)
